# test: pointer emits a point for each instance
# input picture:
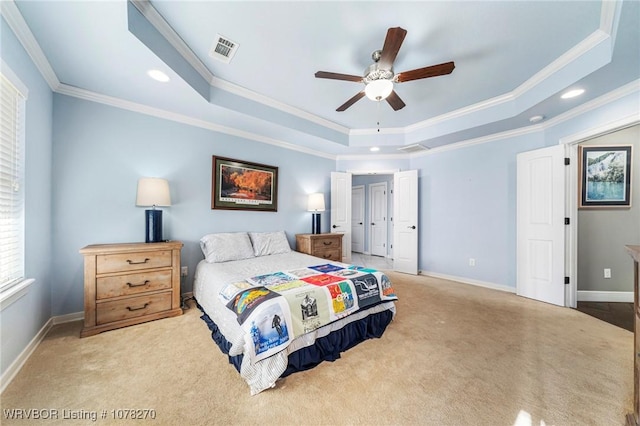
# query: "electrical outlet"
(184, 271)
(472, 262)
(607, 272)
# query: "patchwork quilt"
(277, 307)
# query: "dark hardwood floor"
(616, 313)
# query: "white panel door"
(405, 222)
(357, 219)
(378, 216)
(341, 210)
(540, 225)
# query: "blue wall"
(101, 151)
(22, 320)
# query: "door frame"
(571, 204)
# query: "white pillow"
(224, 247)
(267, 243)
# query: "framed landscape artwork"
(241, 185)
(605, 176)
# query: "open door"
(341, 210)
(541, 225)
(405, 222)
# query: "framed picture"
(241, 185)
(605, 176)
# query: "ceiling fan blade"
(351, 101)
(395, 101)
(431, 71)
(395, 37)
(337, 76)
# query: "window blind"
(12, 110)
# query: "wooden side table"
(326, 246)
(126, 284)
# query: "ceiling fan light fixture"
(378, 90)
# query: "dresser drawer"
(116, 310)
(123, 285)
(329, 243)
(329, 254)
(123, 262)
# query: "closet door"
(405, 222)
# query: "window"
(12, 117)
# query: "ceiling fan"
(379, 76)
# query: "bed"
(274, 311)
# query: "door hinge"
(567, 221)
(566, 280)
(567, 161)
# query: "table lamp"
(153, 192)
(316, 204)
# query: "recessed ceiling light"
(536, 118)
(374, 149)
(572, 93)
(158, 75)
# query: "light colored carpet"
(455, 354)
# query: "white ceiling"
(513, 59)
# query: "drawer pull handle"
(138, 285)
(137, 309)
(131, 262)
(327, 243)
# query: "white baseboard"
(469, 281)
(605, 296)
(61, 319)
(11, 372)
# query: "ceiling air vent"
(416, 147)
(223, 49)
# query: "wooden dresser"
(326, 246)
(633, 419)
(126, 284)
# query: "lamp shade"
(316, 202)
(153, 192)
(378, 90)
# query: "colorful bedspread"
(276, 308)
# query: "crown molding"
(19, 26)
(593, 40)
(373, 157)
(603, 100)
(265, 100)
(184, 119)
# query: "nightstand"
(326, 246)
(127, 284)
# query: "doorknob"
(335, 226)
(411, 227)
(372, 223)
(360, 223)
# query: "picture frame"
(243, 185)
(604, 176)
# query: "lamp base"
(153, 226)
(315, 223)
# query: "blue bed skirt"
(327, 348)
